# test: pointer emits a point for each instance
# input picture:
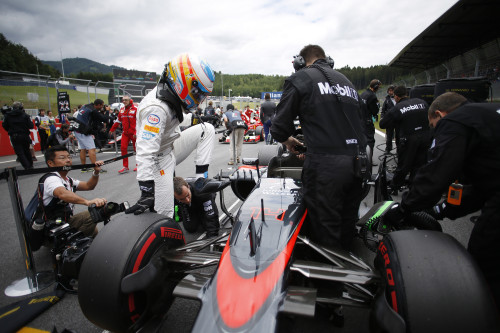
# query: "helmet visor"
(198, 93)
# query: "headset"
(299, 62)
(376, 85)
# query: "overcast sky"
(235, 37)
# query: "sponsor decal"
(162, 172)
(433, 143)
(153, 119)
(419, 106)
(152, 129)
(171, 233)
(147, 135)
(351, 141)
(278, 215)
(325, 88)
(50, 299)
(390, 277)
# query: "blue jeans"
(267, 126)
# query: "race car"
(254, 133)
(420, 281)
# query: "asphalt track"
(67, 314)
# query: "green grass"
(8, 94)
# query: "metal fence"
(40, 91)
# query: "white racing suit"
(161, 145)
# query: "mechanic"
(209, 110)
(410, 117)
(465, 148)
(330, 116)
(197, 209)
(59, 195)
(388, 104)
(86, 120)
(127, 118)
(268, 111)
(18, 125)
(371, 111)
(235, 124)
(185, 82)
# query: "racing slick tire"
(433, 284)
(266, 153)
(127, 244)
(260, 132)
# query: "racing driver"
(185, 82)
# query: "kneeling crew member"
(197, 208)
(59, 195)
(465, 147)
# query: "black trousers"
(332, 194)
(412, 154)
(484, 244)
(21, 144)
(389, 135)
(44, 138)
(370, 133)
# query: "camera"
(104, 213)
(68, 246)
(6, 109)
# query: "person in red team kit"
(126, 118)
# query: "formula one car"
(266, 270)
(254, 133)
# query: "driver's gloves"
(395, 215)
(147, 199)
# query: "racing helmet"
(190, 78)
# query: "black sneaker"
(103, 170)
(84, 170)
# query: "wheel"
(433, 284)
(260, 131)
(124, 246)
(267, 152)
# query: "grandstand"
(464, 42)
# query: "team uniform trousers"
(190, 140)
(412, 154)
(124, 146)
(21, 145)
(238, 135)
(332, 198)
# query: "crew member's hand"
(290, 144)
(395, 215)
(99, 202)
(98, 165)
